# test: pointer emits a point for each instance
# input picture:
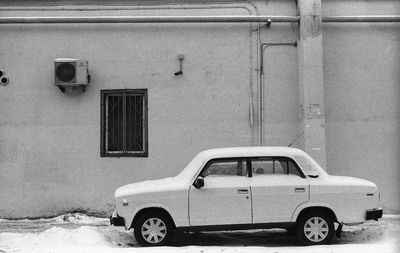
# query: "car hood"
(159, 185)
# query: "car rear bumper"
(116, 220)
(374, 214)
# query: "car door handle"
(299, 189)
(242, 191)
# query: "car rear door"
(277, 187)
(225, 197)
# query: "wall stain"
(310, 27)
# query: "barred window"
(124, 123)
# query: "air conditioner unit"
(70, 72)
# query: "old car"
(246, 188)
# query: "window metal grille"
(124, 123)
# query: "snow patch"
(79, 218)
(73, 218)
(82, 233)
(53, 238)
(391, 216)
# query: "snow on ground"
(82, 233)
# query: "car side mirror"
(199, 183)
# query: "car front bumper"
(374, 214)
(116, 220)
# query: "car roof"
(251, 151)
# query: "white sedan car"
(246, 188)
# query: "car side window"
(267, 167)
(225, 168)
(273, 166)
(292, 169)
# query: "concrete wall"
(50, 142)
(362, 90)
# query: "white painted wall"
(50, 142)
(362, 91)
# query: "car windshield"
(189, 172)
(309, 166)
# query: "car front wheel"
(315, 228)
(153, 229)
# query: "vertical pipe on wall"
(261, 108)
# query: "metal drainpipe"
(261, 86)
(362, 18)
(148, 19)
(192, 19)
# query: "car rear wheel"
(153, 229)
(315, 228)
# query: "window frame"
(249, 165)
(274, 158)
(209, 162)
(103, 135)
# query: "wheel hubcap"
(316, 229)
(154, 230)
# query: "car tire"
(315, 228)
(153, 229)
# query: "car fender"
(130, 216)
(311, 204)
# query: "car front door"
(277, 187)
(225, 197)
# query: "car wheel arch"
(152, 209)
(323, 209)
